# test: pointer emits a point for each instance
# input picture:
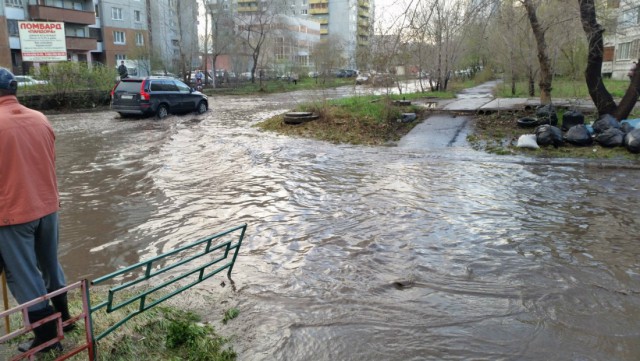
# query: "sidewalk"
(490, 105)
(480, 100)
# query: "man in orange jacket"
(29, 204)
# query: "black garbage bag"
(610, 138)
(546, 114)
(549, 135)
(578, 135)
(632, 141)
(605, 122)
(571, 118)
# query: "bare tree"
(254, 28)
(327, 55)
(546, 76)
(222, 32)
(599, 94)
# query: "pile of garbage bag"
(606, 131)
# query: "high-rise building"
(347, 20)
(174, 33)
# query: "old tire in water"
(299, 117)
(528, 122)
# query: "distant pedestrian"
(294, 77)
(199, 76)
(29, 204)
(122, 70)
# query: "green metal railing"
(154, 267)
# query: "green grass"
(370, 120)
(562, 88)
(160, 333)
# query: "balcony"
(363, 4)
(248, 9)
(324, 31)
(318, 2)
(319, 11)
(50, 13)
(77, 43)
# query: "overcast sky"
(388, 10)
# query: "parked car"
(162, 73)
(156, 95)
(313, 74)
(26, 80)
(363, 78)
(383, 79)
(346, 73)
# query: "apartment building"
(121, 29)
(351, 21)
(77, 16)
(105, 31)
(347, 21)
(622, 38)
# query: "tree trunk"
(543, 58)
(593, 74)
(532, 83)
(206, 44)
(599, 94)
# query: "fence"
(138, 291)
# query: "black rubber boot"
(43, 333)
(60, 304)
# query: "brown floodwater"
(364, 253)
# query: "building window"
(120, 57)
(12, 25)
(97, 11)
(622, 51)
(116, 13)
(95, 33)
(139, 39)
(137, 15)
(118, 37)
(15, 3)
(73, 31)
(629, 18)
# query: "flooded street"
(363, 253)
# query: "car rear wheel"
(202, 107)
(163, 111)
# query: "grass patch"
(160, 333)
(367, 120)
(498, 133)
